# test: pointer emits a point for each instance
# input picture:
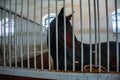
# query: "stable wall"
(77, 23)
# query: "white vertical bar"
(35, 67)
(98, 17)
(90, 32)
(2, 43)
(49, 48)
(107, 28)
(4, 34)
(15, 30)
(73, 37)
(28, 54)
(17, 38)
(82, 56)
(1, 28)
(117, 47)
(10, 34)
(57, 37)
(95, 25)
(1, 25)
(65, 51)
(49, 31)
(42, 67)
(1, 31)
(21, 33)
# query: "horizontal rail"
(58, 75)
(12, 12)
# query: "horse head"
(64, 20)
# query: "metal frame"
(58, 75)
(37, 73)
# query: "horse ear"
(69, 17)
(61, 12)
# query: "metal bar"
(99, 44)
(73, 37)
(82, 56)
(35, 67)
(65, 47)
(19, 15)
(90, 32)
(49, 26)
(49, 38)
(57, 36)
(17, 38)
(21, 34)
(28, 36)
(95, 25)
(51, 75)
(10, 33)
(1, 39)
(1, 28)
(117, 52)
(107, 28)
(4, 34)
(42, 67)
(15, 30)
(6, 40)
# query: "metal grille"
(23, 38)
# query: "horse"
(61, 42)
(38, 62)
(69, 47)
(104, 57)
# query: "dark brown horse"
(69, 47)
(61, 41)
